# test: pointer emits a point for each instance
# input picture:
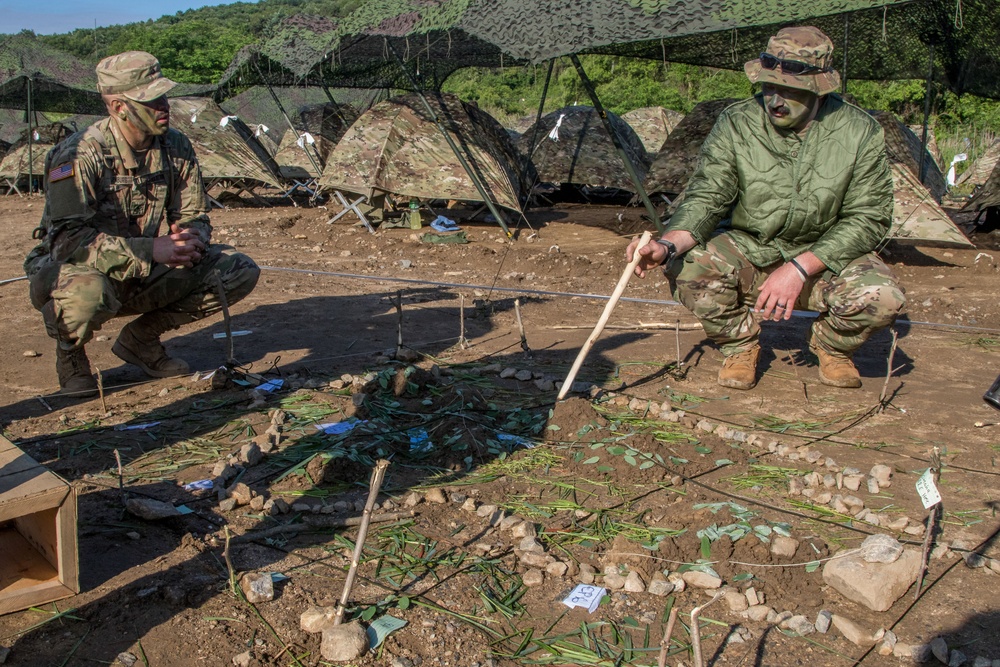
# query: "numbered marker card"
(927, 489)
(585, 596)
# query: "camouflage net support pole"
(538, 118)
(618, 144)
(451, 142)
(336, 107)
(927, 115)
(847, 39)
(285, 114)
(31, 175)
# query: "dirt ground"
(324, 320)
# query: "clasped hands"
(182, 248)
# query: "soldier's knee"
(240, 277)
(887, 303)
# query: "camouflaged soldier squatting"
(105, 204)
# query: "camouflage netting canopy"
(677, 159)
(225, 146)
(58, 81)
(395, 147)
(580, 151)
(653, 125)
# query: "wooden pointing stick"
(605, 316)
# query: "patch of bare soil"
(657, 471)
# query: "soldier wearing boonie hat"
(803, 179)
(125, 231)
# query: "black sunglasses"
(767, 61)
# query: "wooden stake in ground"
(220, 290)
(399, 321)
(378, 475)
(520, 327)
(665, 642)
(605, 316)
(100, 390)
(931, 518)
(462, 342)
(696, 631)
(882, 405)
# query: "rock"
(257, 503)
(341, 643)
(658, 585)
(470, 505)
(882, 474)
(315, 618)
(823, 498)
(795, 486)
(400, 661)
(783, 616)
(523, 375)
(533, 577)
(853, 482)
(798, 624)
(523, 530)
(758, 612)
(530, 543)
(493, 514)
(873, 487)
(752, 597)
(854, 504)
(587, 573)
(412, 499)
(244, 659)
(917, 530)
(974, 560)
(980, 661)
(699, 579)
(853, 632)
(678, 582)
(282, 506)
(538, 559)
(508, 373)
(784, 547)
(829, 481)
(881, 548)
(509, 522)
(250, 454)
(151, 510)
(556, 569)
(257, 586)
(837, 505)
(435, 495)
(125, 658)
(240, 492)
(823, 620)
(956, 659)
(227, 505)
(939, 647)
(223, 471)
(899, 523)
(614, 581)
(737, 601)
(772, 616)
(634, 583)
(875, 585)
(813, 479)
(31, 353)
(888, 643)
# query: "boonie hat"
(133, 74)
(800, 57)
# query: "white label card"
(928, 491)
(586, 596)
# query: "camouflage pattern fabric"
(227, 151)
(653, 125)
(103, 206)
(678, 157)
(989, 194)
(903, 147)
(395, 147)
(327, 120)
(59, 81)
(16, 165)
(301, 162)
(932, 147)
(584, 153)
(719, 285)
(916, 217)
(979, 171)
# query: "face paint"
(152, 117)
(789, 108)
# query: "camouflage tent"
(580, 151)
(678, 158)
(979, 171)
(903, 147)
(26, 156)
(989, 195)
(653, 125)
(932, 147)
(301, 155)
(225, 145)
(395, 147)
(916, 216)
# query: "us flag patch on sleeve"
(61, 172)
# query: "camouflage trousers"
(75, 301)
(720, 286)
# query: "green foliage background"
(197, 45)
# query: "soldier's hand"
(181, 248)
(651, 256)
(779, 293)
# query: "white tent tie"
(554, 134)
(961, 157)
(225, 120)
(260, 128)
(306, 138)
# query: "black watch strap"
(671, 250)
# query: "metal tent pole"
(618, 143)
(451, 142)
(927, 114)
(288, 120)
(31, 175)
(538, 119)
(847, 41)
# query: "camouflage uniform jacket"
(104, 204)
(829, 191)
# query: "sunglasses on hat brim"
(793, 67)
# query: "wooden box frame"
(38, 545)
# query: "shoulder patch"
(61, 172)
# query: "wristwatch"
(671, 250)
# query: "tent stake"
(616, 140)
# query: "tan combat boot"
(837, 370)
(73, 368)
(139, 344)
(739, 371)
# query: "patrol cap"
(133, 74)
(799, 57)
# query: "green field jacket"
(829, 191)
